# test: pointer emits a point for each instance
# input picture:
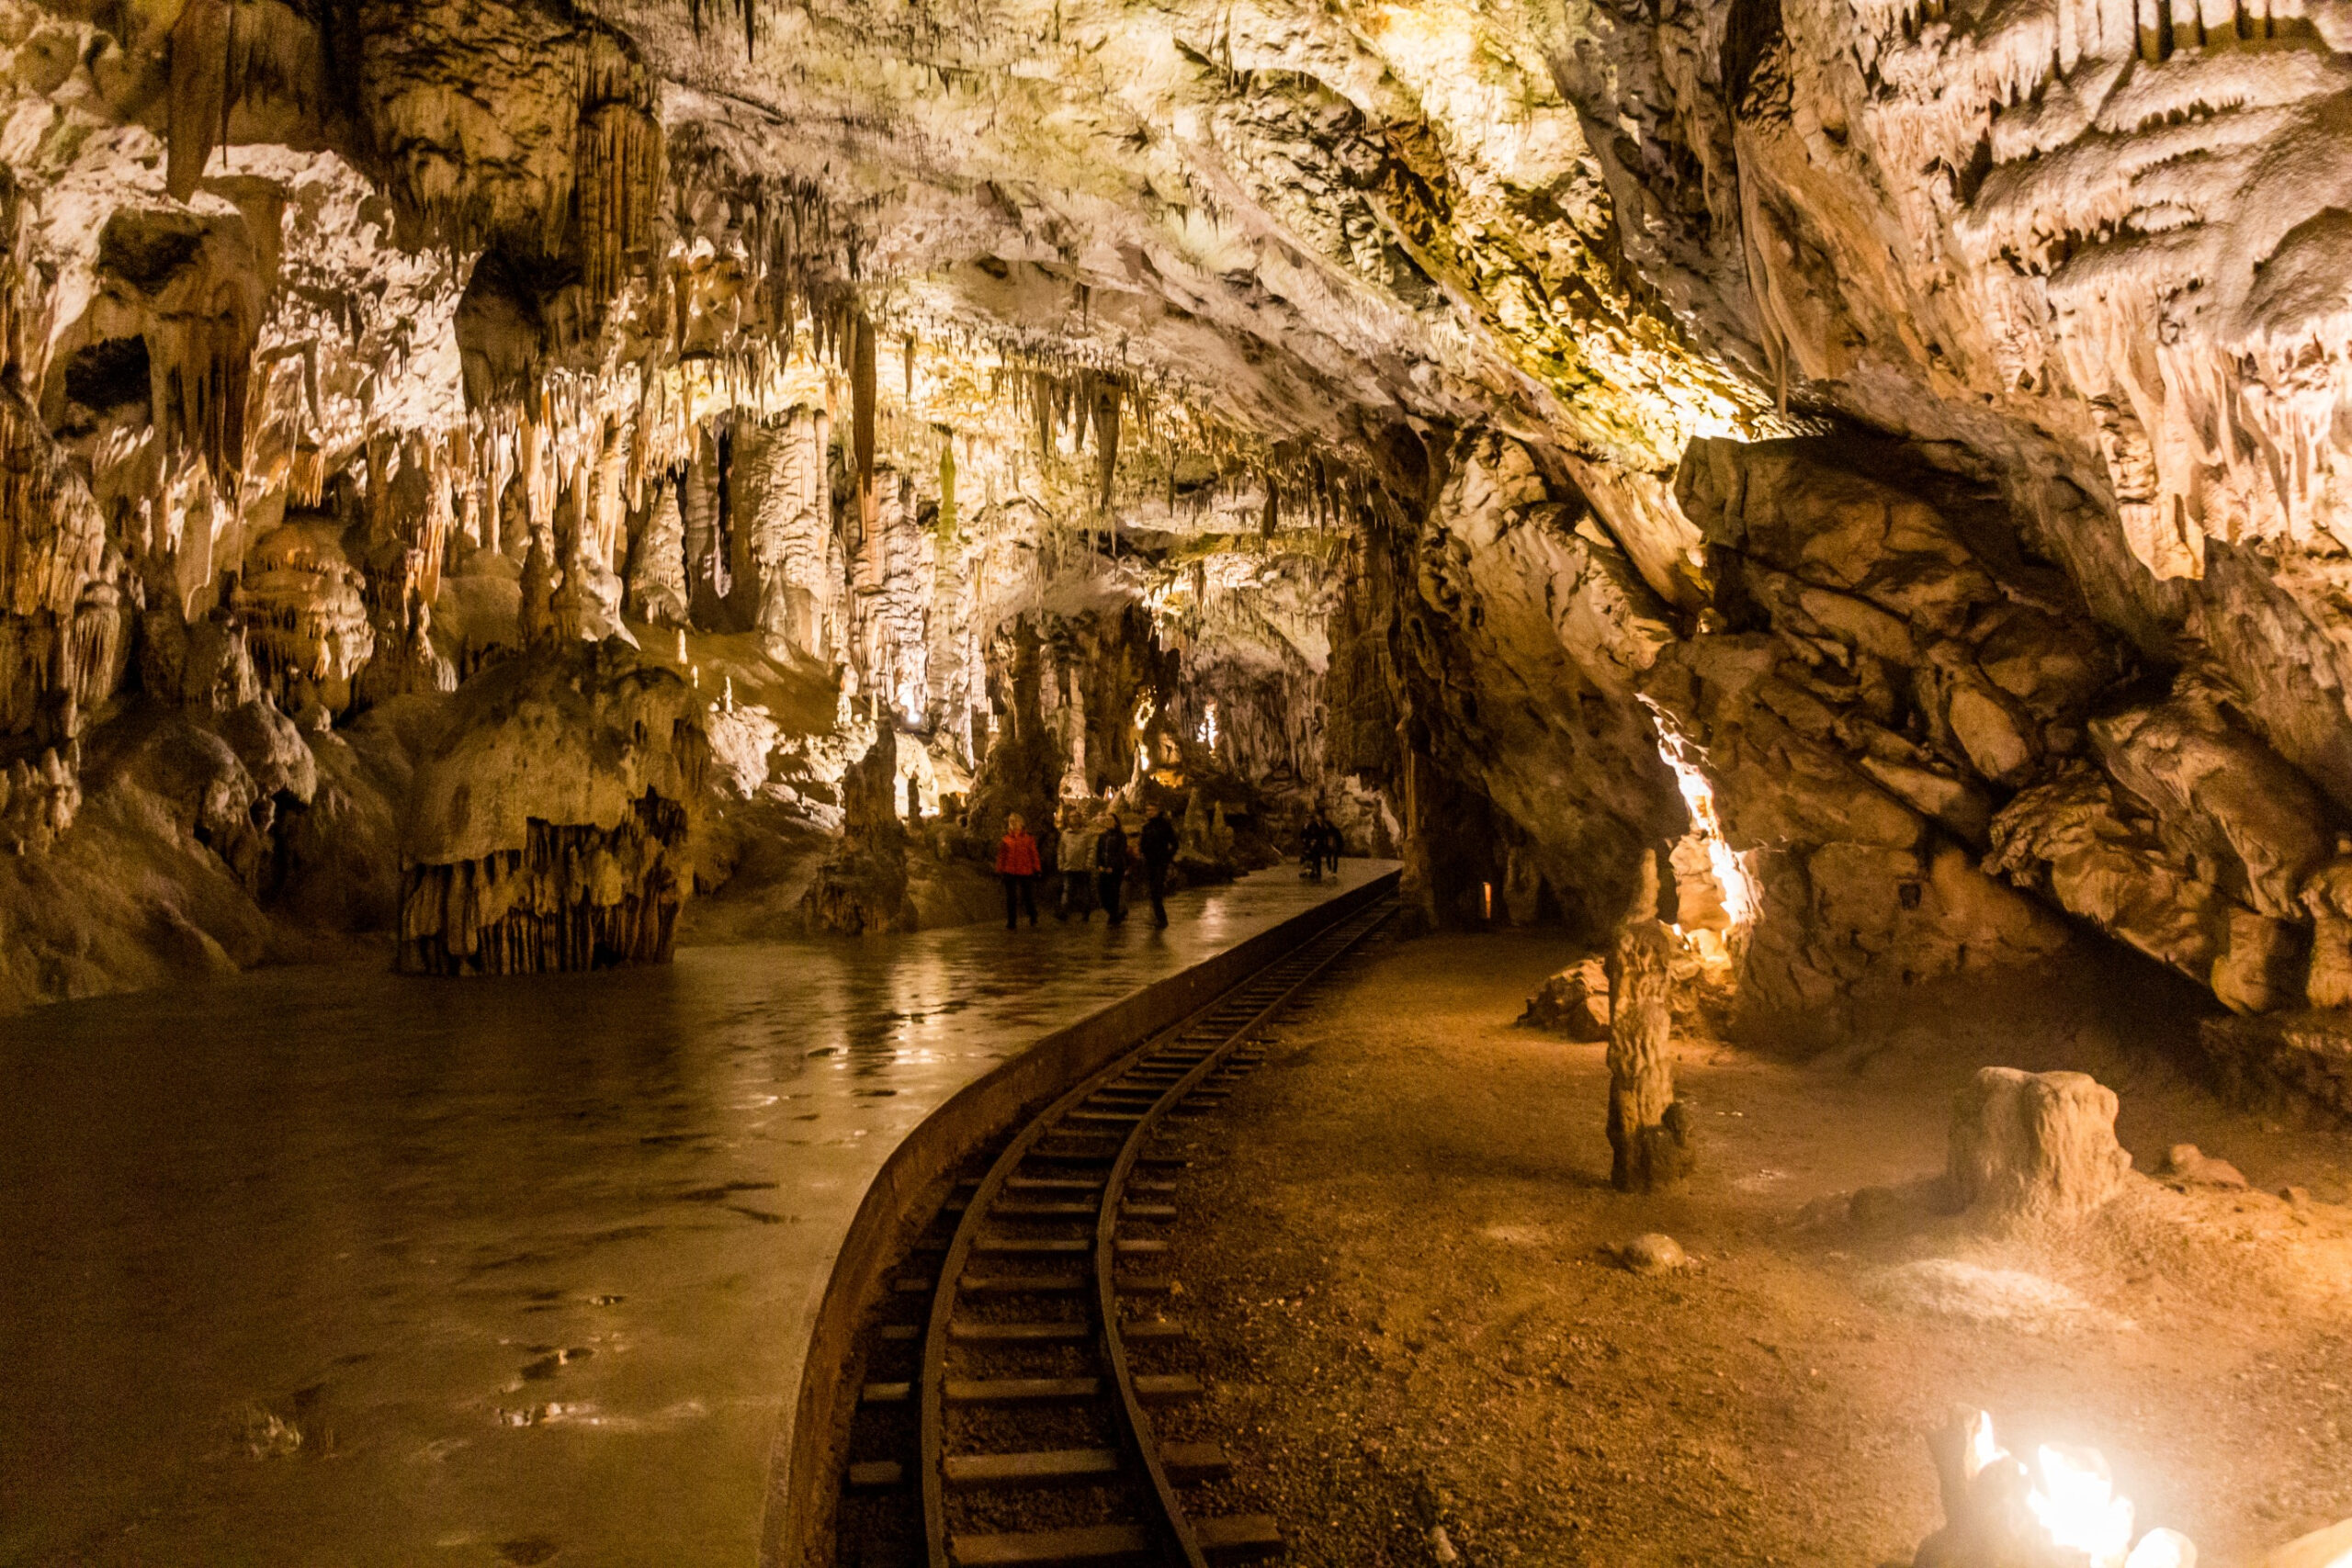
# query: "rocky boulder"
(2035, 1145)
(1574, 1002)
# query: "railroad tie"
(1107, 1151)
(1067, 1332)
(1033, 1246)
(874, 1475)
(1185, 1463)
(1160, 1387)
(1057, 1284)
(1232, 1537)
(1022, 1391)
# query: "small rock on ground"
(1653, 1254)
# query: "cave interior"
(1860, 491)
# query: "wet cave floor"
(1412, 1322)
(330, 1266)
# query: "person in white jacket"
(1075, 861)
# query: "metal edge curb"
(799, 1506)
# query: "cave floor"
(329, 1266)
(1411, 1320)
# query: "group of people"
(1318, 846)
(1093, 860)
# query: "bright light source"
(1729, 866)
(2072, 1499)
(2075, 1502)
(1982, 1450)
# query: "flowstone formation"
(547, 823)
(1896, 458)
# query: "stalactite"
(200, 92)
(1107, 425)
(204, 367)
(947, 488)
(861, 396)
(574, 897)
(619, 188)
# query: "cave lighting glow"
(1730, 867)
(2073, 1500)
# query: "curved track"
(1034, 1437)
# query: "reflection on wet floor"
(330, 1266)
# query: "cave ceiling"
(1934, 419)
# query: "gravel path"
(1411, 1323)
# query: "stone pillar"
(1649, 1132)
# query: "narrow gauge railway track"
(1023, 1406)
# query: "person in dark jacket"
(1158, 841)
(1310, 849)
(1017, 866)
(1110, 866)
(1332, 844)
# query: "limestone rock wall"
(1895, 454)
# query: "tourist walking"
(1310, 849)
(1158, 841)
(1111, 865)
(1332, 844)
(1017, 867)
(1074, 857)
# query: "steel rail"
(1143, 1441)
(1294, 971)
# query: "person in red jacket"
(1017, 866)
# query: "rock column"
(1649, 1130)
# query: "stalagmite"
(2328, 894)
(657, 580)
(1650, 1135)
(863, 888)
(2035, 1145)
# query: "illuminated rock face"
(1458, 395)
(547, 824)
